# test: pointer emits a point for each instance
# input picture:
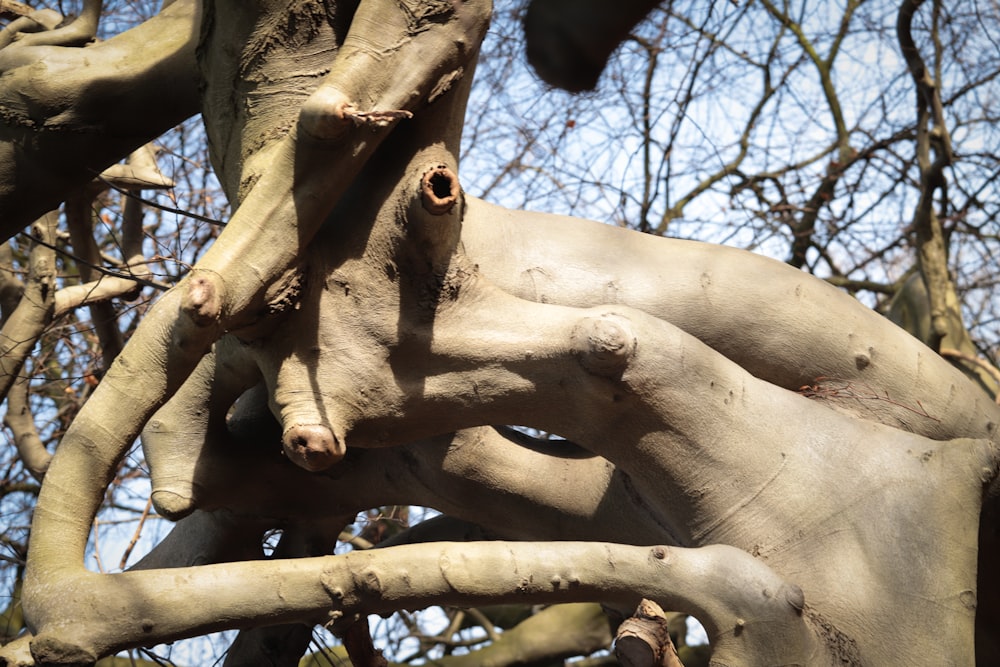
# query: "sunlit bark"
(775, 452)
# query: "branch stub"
(312, 446)
(439, 190)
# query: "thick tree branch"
(934, 155)
(34, 311)
(21, 421)
(745, 607)
(669, 411)
(709, 293)
(264, 240)
(555, 633)
(77, 32)
(361, 293)
(97, 104)
(568, 43)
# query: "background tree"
(375, 334)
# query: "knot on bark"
(203, 300)
(604, 344)
(796, 598)
(312, 446)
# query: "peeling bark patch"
(420, 12)
(841, 646)
(382, 118)
(283, 295)
(445, 83)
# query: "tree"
(752, 446)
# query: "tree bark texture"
(775, 449)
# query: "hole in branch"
(439, 190)
(440, 185)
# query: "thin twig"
(982, 363)
(100, 269)
(138, 533)
(847, 390)
(162, 207)
(97, 546)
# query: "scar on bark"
(605, 344)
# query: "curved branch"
(553, 634)
(745, 607)
(35, 308)
(19, 418)
(812, 333)
(934, 155)
(568, 43)
(81, 120)
(231, 286)
(77, 32)
(27, 21)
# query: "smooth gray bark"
(796, 469)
